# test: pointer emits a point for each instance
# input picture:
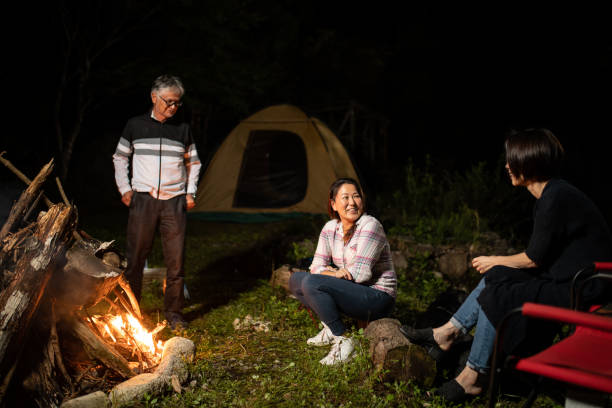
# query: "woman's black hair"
(534, 154)
(333, 191)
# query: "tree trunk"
(18, 303)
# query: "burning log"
(10, 251)
(172, 371)
(45, 291)
(125, 303)
(97, 348)
(20, 300)
(44, 375)
(128, 291)
(90, 278)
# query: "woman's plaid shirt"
(367, 256)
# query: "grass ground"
(227, 267)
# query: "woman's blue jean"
(329, 297)
(470, 314)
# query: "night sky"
(448, 81)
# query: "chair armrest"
(563, 315)
(603, 266)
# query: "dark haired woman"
(351, 273)
(569, 233)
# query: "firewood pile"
(51, 275)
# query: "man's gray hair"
(166, 82)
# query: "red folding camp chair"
(584, 358)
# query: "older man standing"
(165, 170)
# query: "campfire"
(127, 333)
(51, 276)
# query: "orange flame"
(107, 330)
(127, 329)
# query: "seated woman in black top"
(569, 233)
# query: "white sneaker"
(323, 338)
(340, 352)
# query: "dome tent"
(277, 162)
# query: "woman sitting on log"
(569, 233)
(351, 273)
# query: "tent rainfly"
(277, 162)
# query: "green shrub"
(417, 287)
(439, 206)
(300, 250)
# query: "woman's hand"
(484, 263)
(343, 274)
(338, 273)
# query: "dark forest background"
(397, 81)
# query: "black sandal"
(425, 339)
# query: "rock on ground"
(96, 399)
(392, 351)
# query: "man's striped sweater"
(164, 159)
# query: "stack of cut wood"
(50, 274)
